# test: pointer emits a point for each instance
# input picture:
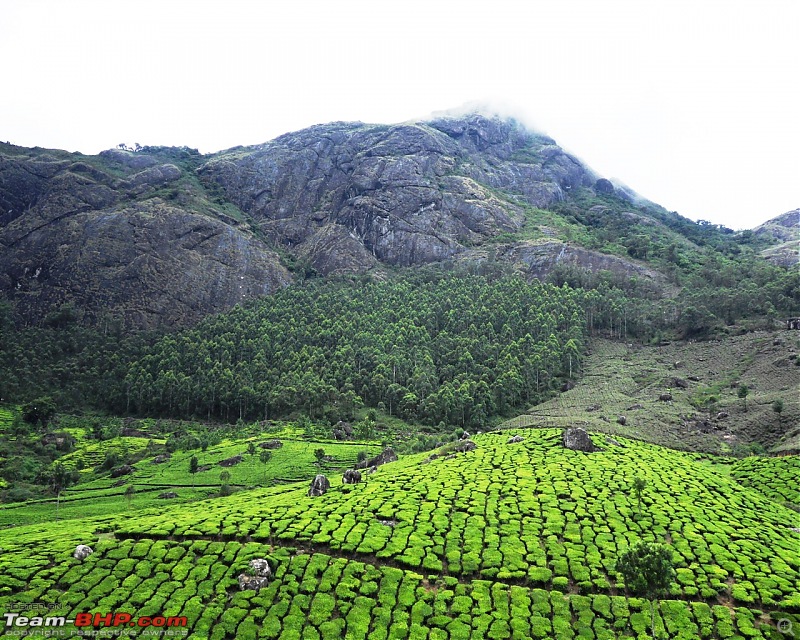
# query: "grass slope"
(510, 540)
(628, 379)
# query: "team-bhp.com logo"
(94, 620)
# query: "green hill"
(509, 540)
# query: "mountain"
(162, 236)
(122, 235)
(785, 231)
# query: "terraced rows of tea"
(292, 462)
(510, 540)
(776, 478)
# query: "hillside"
(703, 381)
(785, 230)
(157, 237)
(509, 540)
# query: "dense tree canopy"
(452, 350)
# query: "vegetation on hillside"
(510, 540)
(439, 349)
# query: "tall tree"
(743, 391)
(265, 457)
(60, 478)
(639, 485)
(648, 571)
(193, 466)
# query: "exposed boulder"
(635, 407)
(603, 187)
(271, 444)
(613, 442)
(257, 576)
(514, 439)
(168, 495)
(722, 415)
(577, 439)
(124, 470)
(319, 485)
(130, 432)
(593, 407)
(465, 435)
(569, 384)
(678, 383)
(665, 397)
(229, 462)
(162, 458)
(82, 551)
(693, 378)
(351, 476)
(622, 420)
(465, 445)
(343, 431)
(387, 455)
(60, 440)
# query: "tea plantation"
(511, 540)
(776, 478)
(99, 494)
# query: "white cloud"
(691, 104)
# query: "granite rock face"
(347, 196)
(120, 239)
(166, 236)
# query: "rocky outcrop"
(465, 445)
(785, 231)
(122, 236)
(538, 258)
(405, 194)
(229, 462)
(783, 228)
(387, 455)
(136, 239)
(82, 551)
(578, 440)
(319, 486)
(168, 495)
(257, 576)
(270, 444)
(515, 439)
(351, 476)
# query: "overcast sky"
(694, 104)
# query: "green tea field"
(514, 540)
(151, 476)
